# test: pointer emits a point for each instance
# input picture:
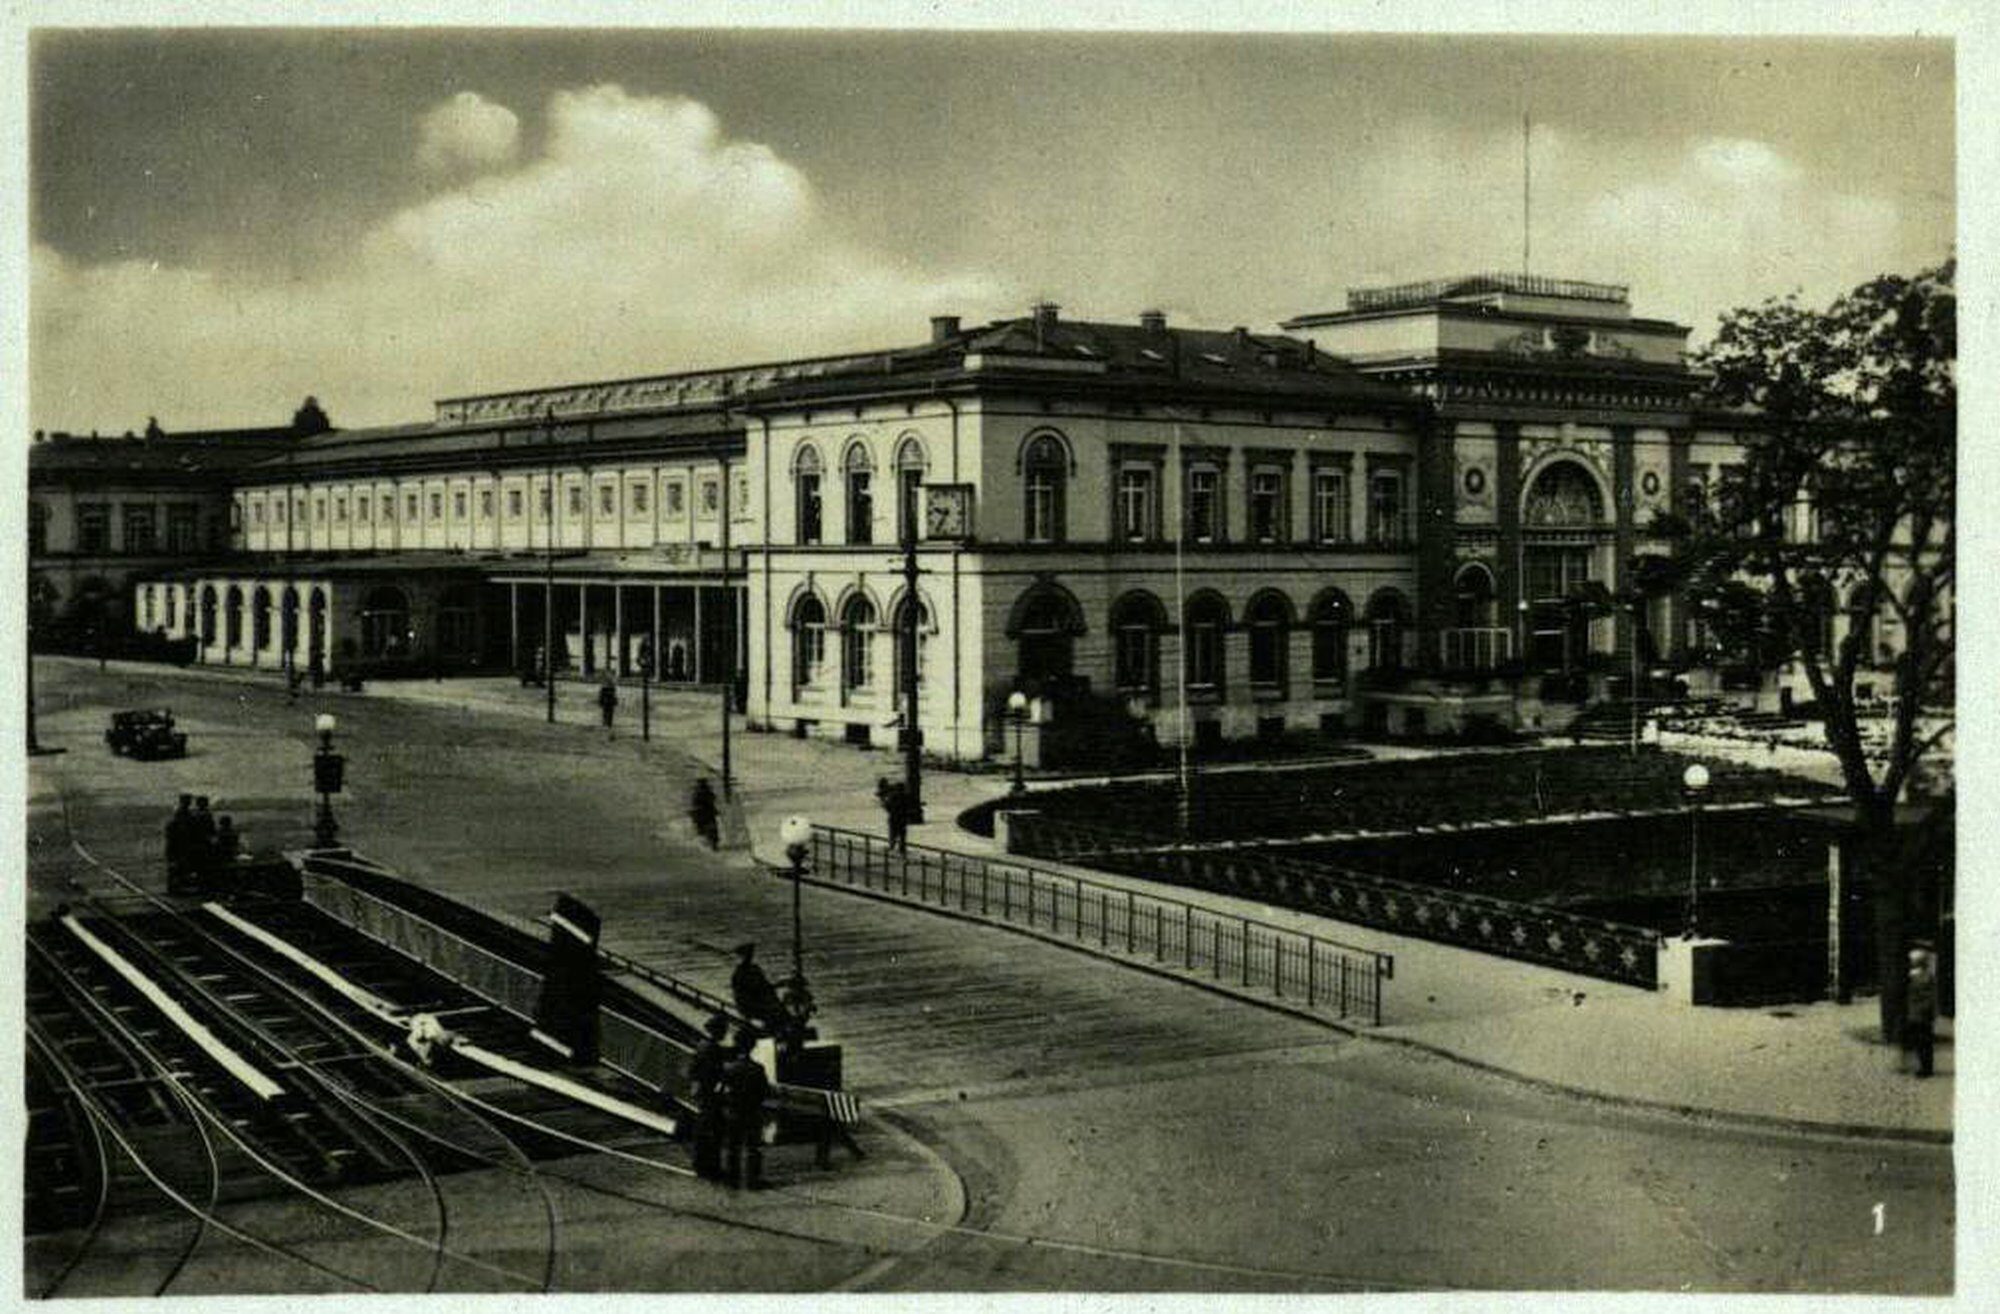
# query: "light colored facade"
(1216, 534)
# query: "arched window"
(1206, 620)
(207, 614)
(857, 644)
(1137, 619)
(288, 620)
(173, 605)
(1269, 618)
(1563, 496)
(1045, 472)
(260, 619)
(910, 466)
(925, 624)
(385, 622)
(1472, 597)
(1332, 616)
(146, 607)
(806, 482)
(232, 618)
(1044, 624)
(860, 495)
(808, 641)
(1388, 624)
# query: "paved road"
(1112, 1130)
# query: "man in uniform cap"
(711, 1113)
(756, 998)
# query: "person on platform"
(228, 843)
(705, 814)
(201, 836)
(1920, 1009)
(180, 831)
(711, 1112)
(756, 998)
(747, 1089)
(607, 705)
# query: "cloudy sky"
(223, 222)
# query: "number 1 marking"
(1879, 1210)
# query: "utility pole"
(549, 569)
(729, 593)
(912, 734)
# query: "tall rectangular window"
(711, 498)
(458, 504)
(513, 504)
(1135, 503)
(257, 512)
(607, 499)
(1267, 505)
(410, 508)
(183, 528)
(909, 483)
(361, 504)
(340, 509)
(860, 507)
(676, 499)
(139, 529)
(437, 506)
(809, 508)
(485, 504)
(1387, 524)
(638, 499)
(1204, 510)
(576, 499)
(1330, 506)
(388, 507)
(319, 510)
(93, 527)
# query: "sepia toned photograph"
(755, 660)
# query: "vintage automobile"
(148, 735)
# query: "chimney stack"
(1153, 321)
(944, 328)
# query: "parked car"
(146, 734)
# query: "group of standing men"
(730, 1089)
(198, 842)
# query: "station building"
(1380, 518)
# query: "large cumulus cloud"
(639, 238)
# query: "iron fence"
(1315, 972)
(1592, 946)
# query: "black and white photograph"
(902, 652)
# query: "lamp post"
(796, 832)
(329, 770)
(1017, 712)
(1521, 632)
(1694, 780)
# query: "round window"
(1475, 481)
(1649, 483)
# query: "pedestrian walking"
(180, 830)
(747, 1089)
(705, 814)
(756, 998)
(705, 1088)
(607, 705)
(1920, 1009)
(896, 806)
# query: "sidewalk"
(1816, 1067)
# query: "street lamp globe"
(1695, 778)
(1017, 703)
(796, 832)
(324, 723)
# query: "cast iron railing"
(1589, 945)
(1319, 974)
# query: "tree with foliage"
(1844, 507)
